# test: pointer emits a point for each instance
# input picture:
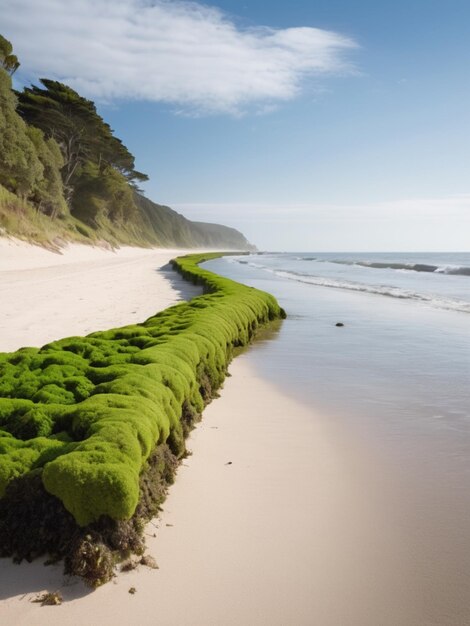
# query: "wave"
(453, 270)
(383, 290)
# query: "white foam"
(383, 290)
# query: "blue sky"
(354, 136)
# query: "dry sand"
(268, 522)
(45, 296)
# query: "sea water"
(404, 350)
(394, 381)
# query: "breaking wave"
(453, 270)
(383, 290)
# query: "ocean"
(393, 382)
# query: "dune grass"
(95, 425)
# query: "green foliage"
(87, 412)
(102, 193)
(64, 146)
(97, 170)
(163, 226)
(48, 191)
(29, 164)
(60, 159)
(8, 60)
(20, 218)
(5, 49)
(83, 136)
(20, 166)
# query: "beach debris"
(169, 525)
(149, 561)
(132, 564)
(91, 559)
(339, 324)
(49, 599)
(132, 590)
(129, 565)
(228, 463)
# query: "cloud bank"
(183, 53)
(453, 207)
(419, 224)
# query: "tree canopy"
(83, 135)
(29, 164)
(8, 60)
(58, 153)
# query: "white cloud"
(184, 53)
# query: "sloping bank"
(92, 428)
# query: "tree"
(8, 60)
(103, 193)
(61, 113)
(29, 164)
(48, 192)
(57, 151)
(20, 167)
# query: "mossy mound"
(80, 418)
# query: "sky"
(309, 125)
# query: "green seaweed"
(86, 413)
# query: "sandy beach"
(248, 526)
(246, 533)
(283, 514)
(234, 313)
(226, 546)
(46, 296)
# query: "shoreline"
(30, 577)
(280, 515)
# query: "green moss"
(88, 412)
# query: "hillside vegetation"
(65, 176)
(92, 428)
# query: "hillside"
(65, 176)
(164, 226)
(151, 225)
